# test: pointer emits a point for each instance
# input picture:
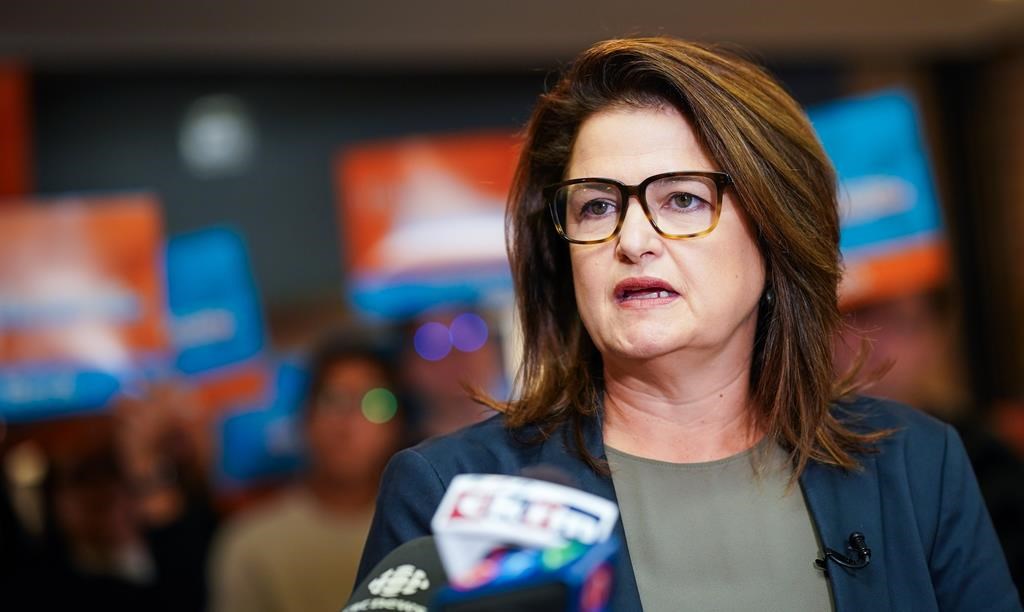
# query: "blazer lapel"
(841, 503)
(560, 452)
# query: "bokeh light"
(379, 405)
(432, 341)
(25, 465)
(468, 332)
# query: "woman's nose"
(637, 236)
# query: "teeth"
(647, 295)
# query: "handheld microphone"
(502, 543)
(573, 578)
(405, 580)
(411, 578)
(511, 543)
(482, 512)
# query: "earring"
(769, 297)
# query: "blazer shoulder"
(918, 449)
(905, 424)
(489, 446)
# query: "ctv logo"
(568, 521)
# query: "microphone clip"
(860, 551)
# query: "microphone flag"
(484, 512)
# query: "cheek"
(587, 282)
(744, 283)
(738, 261)
(590, 267)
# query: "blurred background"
(250, 249)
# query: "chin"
(644, 346)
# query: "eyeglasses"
(679, 205)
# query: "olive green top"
(719, 535)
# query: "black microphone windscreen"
(406, 579)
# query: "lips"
(644, 290)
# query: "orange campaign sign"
(423, 219)
(81, 300)
(15, 130)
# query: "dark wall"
(102, 130)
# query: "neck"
(678, 408)
(342, 499)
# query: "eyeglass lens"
(678, 205)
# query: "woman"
(674, 243)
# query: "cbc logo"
(401, 580)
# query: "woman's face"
(640, 295)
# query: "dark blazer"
(916, 501)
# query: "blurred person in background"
(437, 376)
(299, 552)
(915, 357)
(127, 516)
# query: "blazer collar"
(840, 503)
(561, 452)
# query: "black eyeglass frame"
(721, 179)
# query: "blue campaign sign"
(259, 445)
(265, 442)
(887, 195)
(50, 391)
(410, 295)
(216, 317)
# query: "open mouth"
(637, 289)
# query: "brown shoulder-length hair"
(786, 188)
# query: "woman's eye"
(685, 201)
(597, 208)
